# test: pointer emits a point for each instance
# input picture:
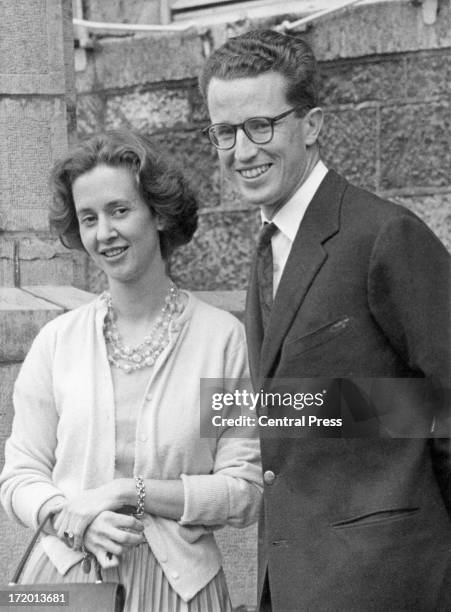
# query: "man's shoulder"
(361, 205)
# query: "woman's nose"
(105, 229)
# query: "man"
(361, 289)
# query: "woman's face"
(117, 228)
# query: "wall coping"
(375, 27)
(24, 310)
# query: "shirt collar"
(289, 217)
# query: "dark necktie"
(265, 271)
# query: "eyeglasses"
(260, 130)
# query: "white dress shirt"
(288, 219)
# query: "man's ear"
(313, 122)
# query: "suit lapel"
(307, 255)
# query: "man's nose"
(105, 229)
(245, 149)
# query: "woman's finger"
(124, 521)
(107, 560)
(127, 538)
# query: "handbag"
(97, 596)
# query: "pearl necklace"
(144, 355)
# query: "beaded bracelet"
(141, 493)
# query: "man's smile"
(255, 172)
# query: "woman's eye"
(88, 220)
(119, 212)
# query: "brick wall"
(385, 86)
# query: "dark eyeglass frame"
(244, 126)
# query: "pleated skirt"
(147, 588)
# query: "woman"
(107, 400)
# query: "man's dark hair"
(262, 51)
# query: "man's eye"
(224, 131)
(259, 125)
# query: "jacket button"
(269, 477)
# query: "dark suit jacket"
(359, 524)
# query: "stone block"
(199, 111)
(64, 296)
(116, 11)
(349, 144)
(33, 132)
(21, 317)
(359, 81)
(90, 114)
(149, 59)
(415, 149)
(8, 375)
(428, 74)
(32, 48)
(96, 278)
(14, 540)
(80, 261)
(147, 111)
(434, 210)
(58, 270)
(35, 260)
(85, 74)
(373, 29)
(220, 254)
(198, 160)
(232, 301)
(239, 552)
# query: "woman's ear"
(313, 122)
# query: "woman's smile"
(113, 253)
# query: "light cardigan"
(63, 436)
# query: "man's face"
(267, 175)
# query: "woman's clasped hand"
(110, 533)
(90, 520)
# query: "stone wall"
(37, 118)
(385, 86)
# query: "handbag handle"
(27, 553)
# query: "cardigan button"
(175, 575)
(269, 477)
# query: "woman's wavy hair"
(162, 186)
